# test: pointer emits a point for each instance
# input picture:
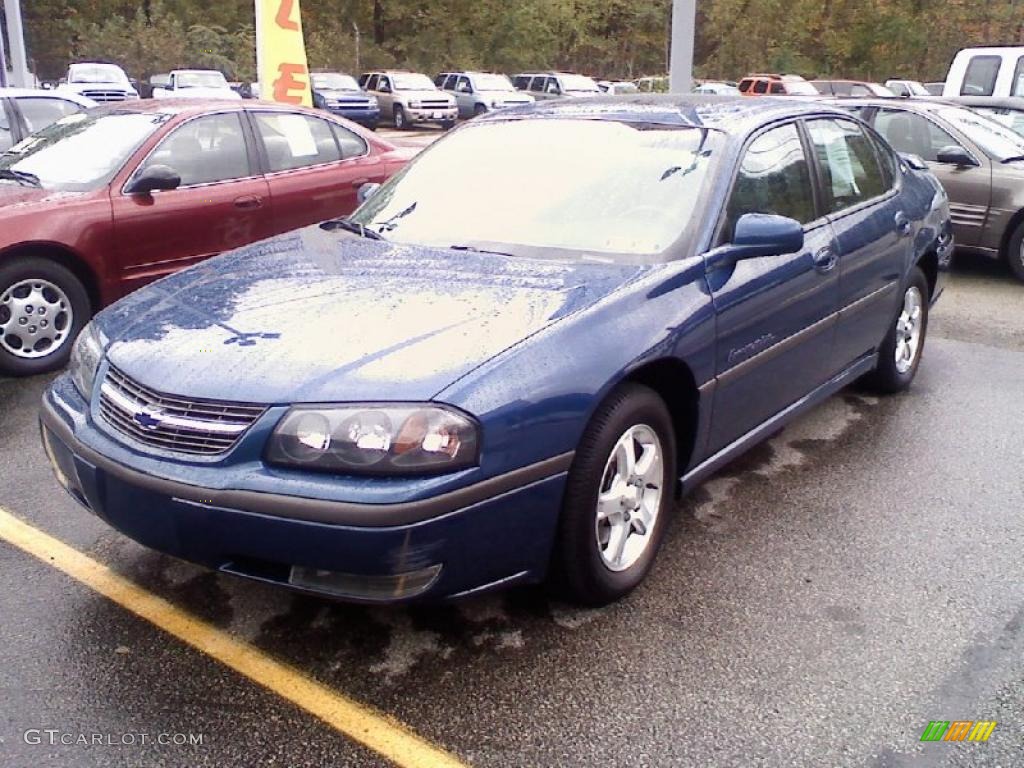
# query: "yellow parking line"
(375, 730)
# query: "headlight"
(372, 102)
(414, 104)
(85, 359)
(375, 439)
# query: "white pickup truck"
(193, 84)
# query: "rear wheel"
(479, 109)
(401, 121)
(43, 306)
(900, 353)
(1015, 252)
(617, 499)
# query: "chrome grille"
(170, 422)
(104, 95)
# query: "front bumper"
(488, 537)
(424, 115)
(366, 117)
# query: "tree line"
(869, 39)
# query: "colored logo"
(958, 730)
(148, 420)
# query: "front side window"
(848, 161)
(776, 88)
(980, 77)
(617, 192)
(204, 150)
(39, 113)
(463, 85)
(774, 177)
(1017, 86)
(761, 86)
(913, 133)
(83, 151)
(295, 141)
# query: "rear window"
(980, 77)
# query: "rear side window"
(910, 132)
(774, 177)
(1017, 87)
(370, 84)
(349, 143)
(439, 80)
(521, 81)
(41, 112)
(760, 86)
(6, 135)
(850, 166)
(295, 141)
(980, 77)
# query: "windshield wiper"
(392, 223)
(350, 226)
(1014, 159)
(474, 249)
(22, 177)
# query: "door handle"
(902, 224)
(825, 259)
(247, 202)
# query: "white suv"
(986, 72)
(408, 98)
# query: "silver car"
(408, 98)
(556, 85)
(480, 92)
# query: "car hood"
(328, 93)
(424, 94)
(116, 85)
(506, 95)
(15, 198)
(315, 316)
(203, 92)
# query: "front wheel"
(618, 496)
(1015, 252)
(43, 306)
(900, 353)
(401, 121)
(447, 125)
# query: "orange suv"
(776, 85)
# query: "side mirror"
(366, 191)
(759, 234)
(914, 161)
(956, 155)
(153, 178)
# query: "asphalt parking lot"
(818, 603)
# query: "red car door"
(314, 167)
(222, 202)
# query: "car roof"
(1001, 102)
(190, 106)
(730, 114)
(52, 93)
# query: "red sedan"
(102, 202)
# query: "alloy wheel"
(908, 329)
(630, 497)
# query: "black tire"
(447, 125)
(1015, 252)
(479, 109)
(36, 268)
(887, 378)
(579, 571)
(401, 121)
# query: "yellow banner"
(281, 53)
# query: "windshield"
(82, 151)
(96, 73)
(200, 80)
(413, 82)
(332, 81)
(995, 139)
(492, 83)
(1009, 118)
(578, 83)
(523, 186)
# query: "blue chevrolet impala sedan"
(516, 355)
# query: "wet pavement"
(817, 603)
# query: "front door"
(775, 314)
(222, 203)
(969, 187)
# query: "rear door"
(969, 188)
(314, 167)
(775, 314)
(222, 202)
(862, 198)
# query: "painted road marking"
(375, 730)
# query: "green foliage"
(872, 39)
